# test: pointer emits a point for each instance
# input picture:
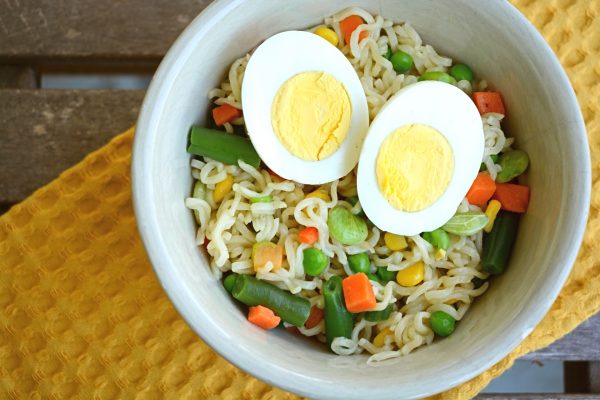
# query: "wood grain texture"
(579, 345)
(88, 28)
(44, 132)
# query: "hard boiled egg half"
(421, 155)
(304, 108)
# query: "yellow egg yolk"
(414, 167)
(311, 115)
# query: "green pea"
(477, 282)
(388, 53)
(513, 164)
(438, 238)
(386, 275)
(373, 277)
(346, 227)
(441, 323)
(229, 281)
(462, 72)
(314, 262)
(401, 61)
(437, 76)
(359, 262)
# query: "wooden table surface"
(43, 131)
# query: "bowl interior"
(542, 114)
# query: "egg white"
(274, 62)
(450, 111)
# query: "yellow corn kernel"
(411, 276)
(379, 340)
(320, 194)
(328, 35)
(451, 301)
(440, 254)
(222, 188)
(394, 242)
(491, 211)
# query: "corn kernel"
(491, 211)
(451, 301)
(394, 242)
(379, 340)
(440, 254)
(320, 194)
(222, 188)
(411, 276)
(328, 35)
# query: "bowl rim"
(147, 222)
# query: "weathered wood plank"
(134, 29)
(580, 345)
(43, 132)
(537, 396)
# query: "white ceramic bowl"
(502, 47)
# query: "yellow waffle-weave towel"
(82, 315)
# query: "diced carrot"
(488, 102)
(225, 113)
(348, 26)
(358, 293)
(513, 197)
(481, 190)
(263, 252)
(316, 315)
(309, 235)
(263, 317)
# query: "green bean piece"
(314, 261)
(477, 282)
(388, 53)
(467, 223)
(498, 244)
(353, 200)
(386, 275)
(462, 72)
(494, 158)
(438, 238)
(513, 163)
(442, 323)
(359, 262)
(253, 292)
(261, 199)
(345, 227)
(222, 146)
(437, 76)
(199, 192)
(401, 61)
(229, 281)
(339, 322)
(373, 277)
(376, 316)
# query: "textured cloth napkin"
(83, 316)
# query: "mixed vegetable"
(501, 200)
